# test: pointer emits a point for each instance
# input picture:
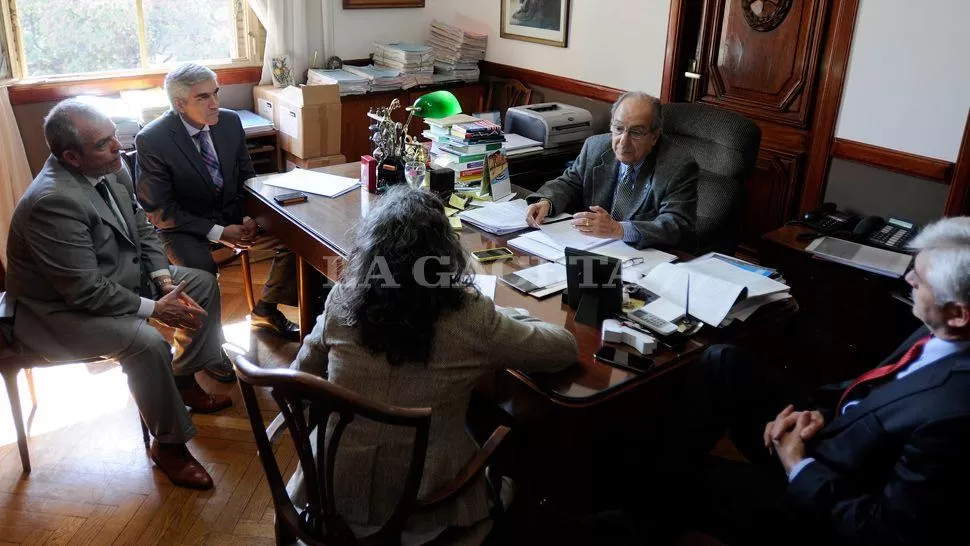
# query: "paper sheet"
(485, 284)
(565, 235)
(317, 183)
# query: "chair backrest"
(725, 145)
(306, 401)
(503, 94)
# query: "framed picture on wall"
(372, 4)
(539, 21)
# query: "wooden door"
(763, 59)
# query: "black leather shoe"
(277, 323)
(222, 372)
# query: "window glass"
(179, 31)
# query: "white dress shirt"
(215, 233)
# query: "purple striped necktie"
(210, 159)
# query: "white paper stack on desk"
(711, 290)
(539, 281)
(501, 218)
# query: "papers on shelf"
(499, 218)
(867, 258)
(318, 183)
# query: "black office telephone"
(893, 234)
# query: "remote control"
(653, 322)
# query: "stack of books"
(461, 143)
(456, 52)
(415, 62)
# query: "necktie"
(210, 159)
(102, 187)
(888, 370)
(623, 195)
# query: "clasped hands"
(240, 236)
(596, 223)
(175, 308)
(787, 435)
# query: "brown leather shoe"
(180, 466)
(203, 402)
(277, 323)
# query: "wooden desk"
(580, 414)
(850, 319)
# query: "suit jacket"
(175, 187)
(74, 270)
(665, 213)
(469, 343)
(896, 467)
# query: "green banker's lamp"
(398, 150)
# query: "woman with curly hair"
(406, 326)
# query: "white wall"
(616, 43)
(908, 81)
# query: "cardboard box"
(290, 161)
(307, 117)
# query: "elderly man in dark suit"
(86, 270)
(630, 184)
(191, 166)
(881, 459)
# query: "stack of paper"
(539, 281)
(349, 83)
(456, 52)
(874, 260)
(381, 78)
(318, 183)
(517, 144)
(254, 124)
(415, 62)
(499, 218)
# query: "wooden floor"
(92, 480)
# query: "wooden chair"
(15, 357)
(503, 94)
(306, 400)
(241, 255)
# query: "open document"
(317, 183)
(502, 218)
(874, 260)
(683, 291)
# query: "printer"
(552, 123)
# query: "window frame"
(250, 37)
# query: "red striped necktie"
(888, 370)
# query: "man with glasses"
(629, 184)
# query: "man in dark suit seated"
(882, 459)
(86, 270)
(191, 166)
(630, 184)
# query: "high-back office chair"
(14, 356)
(242, 255)
(306, 400)
(725, 145)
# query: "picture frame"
(376, 4)
(537, 21)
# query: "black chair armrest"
(468, 474)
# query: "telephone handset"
(828, 218)
(894, 234)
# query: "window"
(62, 37)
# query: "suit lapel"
(933, 375)
(104, 211)
(604, 179)
(125, 204)
(184, 143)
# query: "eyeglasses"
(633, 261)
(636, 133)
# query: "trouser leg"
(281, 285)
(195, 350)
(148, 364)
(188, 251)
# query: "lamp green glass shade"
(437, 104)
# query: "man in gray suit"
(191, 166)
(630, 185)
(85, 269)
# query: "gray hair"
(945, 245)
(179, 81)
(60, 126)
(657, 118)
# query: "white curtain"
(288, 31)
(14, 173)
